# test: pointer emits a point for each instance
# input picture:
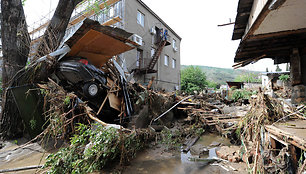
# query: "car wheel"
(91, 89)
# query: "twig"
(256, 158)
(302, 168)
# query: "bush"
(284, 78)
(93, 149)
(241, 94)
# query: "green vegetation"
(93, 149)
(221, 75)
(248, 77)
(241, 94)
(193, 79)
(284, 77)
(170, 139)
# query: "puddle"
(154, 161)
(13, 157)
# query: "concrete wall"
(166, 77)
(289, 16)
(258, 5)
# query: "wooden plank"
(112, 21)
(191, 143)
(114, 101)
(294, 158)
(274, 138)
(290, 138)
(98, 47)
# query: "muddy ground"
(160, 160)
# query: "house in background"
(274, 29)
(158, 53)
(271, 79)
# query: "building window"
(140, 18)
(166, 61)
(139, 57)
(152, 52)
(173, 63)
(111, 12)
(173, 43)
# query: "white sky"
(195, 21)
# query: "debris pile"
(252, 130)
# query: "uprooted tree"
(16, 47)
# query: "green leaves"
(193, 79)
(92, 149)
(241, 94)
(248, 77)
(284, 77)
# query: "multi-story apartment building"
(158, 53)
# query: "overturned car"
(79, 69)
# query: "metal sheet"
(30, 106)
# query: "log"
(191, 143)
(20, 169)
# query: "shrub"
(241, 94)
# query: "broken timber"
(296, 137)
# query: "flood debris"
(105, 118)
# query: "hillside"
(221, 75)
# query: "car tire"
(91, 89)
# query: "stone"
(142, 120)
(198, 150)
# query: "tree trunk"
(57, 27)
(15, 48)
(15, 52)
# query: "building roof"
(155, 15)
(243, 14)
(279, 72)
(271, 34)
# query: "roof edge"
(155, 15)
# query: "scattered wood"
(191, 143)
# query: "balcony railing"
(113, 15)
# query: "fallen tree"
(15, 54)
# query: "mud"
(157, 160)
(12, 156)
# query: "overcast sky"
(203, 43)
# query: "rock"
(142, 120)
(199, 150)
(231, 153)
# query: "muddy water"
(13, 157)
(155, 161)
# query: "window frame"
(141, 20)
(153, 50)
(166, 60)
(173, 63)
(173, 43)
(139, 56)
